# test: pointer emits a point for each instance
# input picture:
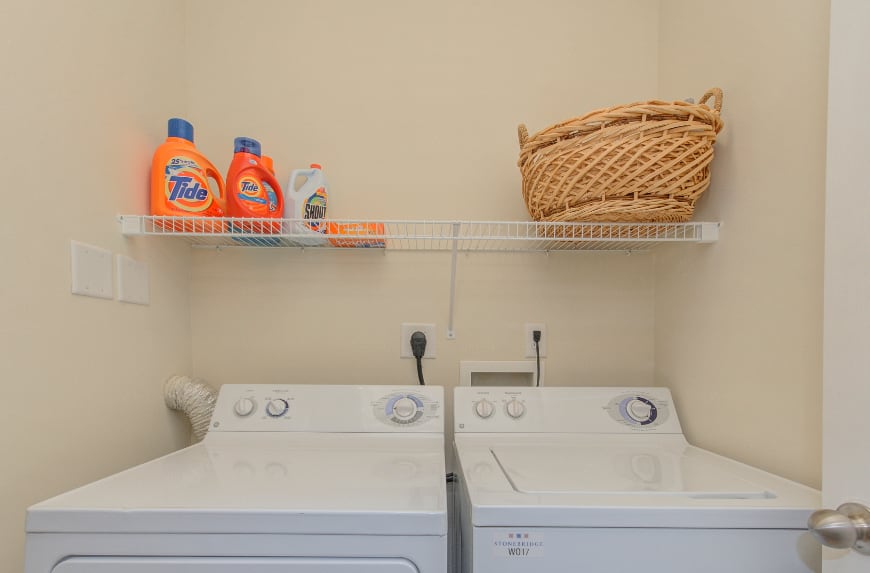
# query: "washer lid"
(562, 480)
(374, 484)
(625, 469)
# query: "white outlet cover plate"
(530, 343)
(91, 270)
(409, 328)
(133, 284)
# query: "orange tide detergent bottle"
(180, 185)
(252, 190)
(269, 164)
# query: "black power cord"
(536, 337)
(418, 347)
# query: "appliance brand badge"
(517, 544)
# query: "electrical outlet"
(409, 328)
(530, 341)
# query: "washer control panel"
(493, 408)
(564, 410)
(328, 408)
(639, 410)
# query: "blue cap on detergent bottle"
(180, 128)
(247, 145)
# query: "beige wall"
(84, 102)
(739, 325)
(412, 108)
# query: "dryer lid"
(372, 484)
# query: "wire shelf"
(514, 236)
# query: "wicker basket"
(642, 162)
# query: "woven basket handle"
(714, 93)
(523, 134)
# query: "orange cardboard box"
(360, 235)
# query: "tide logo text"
(250, 187)
(182, 189)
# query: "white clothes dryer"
(595, 480)
(289, 479)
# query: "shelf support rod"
(450, 333)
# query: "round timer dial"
(515, 409)
(244, 407)
(404, 409)
(484, 408)
(639, 411)
(277, 407)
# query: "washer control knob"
(244, 407)
(515, 409)
(484, 408)
(639, 410)
(404, 408)
(277, 407)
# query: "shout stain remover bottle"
(252, 190)
(184, 183)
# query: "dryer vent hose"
(193, 397)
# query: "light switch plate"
(133, 284)
(91, 270)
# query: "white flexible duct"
(193, 397)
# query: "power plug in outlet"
(531, 327)
(409, 328)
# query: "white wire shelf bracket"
(463, 236)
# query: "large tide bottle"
(184, 183)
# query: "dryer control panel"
(328, 408)
(564, 410)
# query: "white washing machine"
(289, 478)
(601, 479)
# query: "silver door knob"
(847, 527)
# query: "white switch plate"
(409, 328)
(132, 280)
(91, 270)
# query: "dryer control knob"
(244, 407)
(484, 408)
(277, 407)
(515, 408)
(404, 408)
